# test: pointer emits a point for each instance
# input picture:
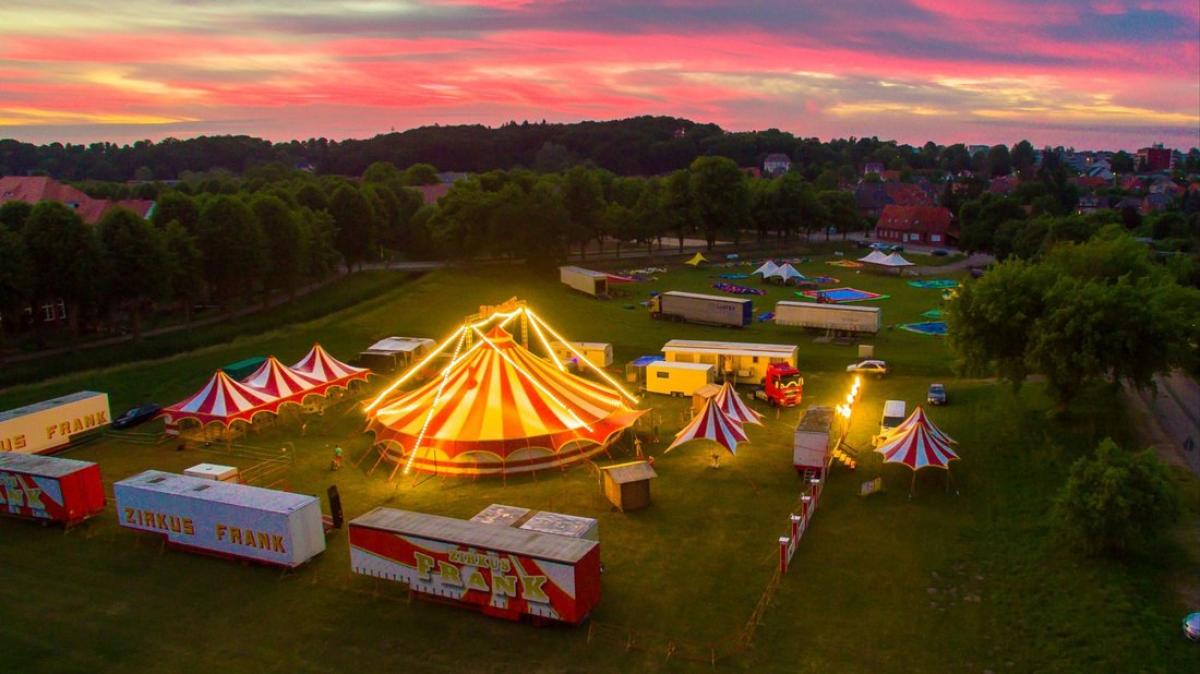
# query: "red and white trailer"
(49, 488)
(223, 518)
(813, 441)
(502, 571)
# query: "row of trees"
(265, 239)
(635, 146)
(1083, 312)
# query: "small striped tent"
(277, 380)
(712, 424)
(734, 407)
(223, 401)
(323, 367)
(921, 445)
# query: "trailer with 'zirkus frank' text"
(501, 570)
(224, 519)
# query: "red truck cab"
(783, 386)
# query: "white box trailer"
(675, 305)
(741, 361)
(53, 424)
(599, 354)
(213, 471)
(594, 283)
(829, 316)
(559, 524)
(677, 379)
(813, 440)
(395, 353)
(223, 518)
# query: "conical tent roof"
(767, 269)
(917, 448)
(499, 408)
(787, 272)
(327, 369)
(712, 424)
(734, 407)
(696, 260)
(874, 257)
(919, 418)
(279, 381)
(221, 400)
(896, 260)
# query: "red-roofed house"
(927, 225)
(907, 194)
(33, 189)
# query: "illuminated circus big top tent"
(496, 407)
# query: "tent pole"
(912, 484)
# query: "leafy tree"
(1122, 163)
(1022, 157)
(999, 161)
(679, 208)
(310, 195)
(355, 224)
(980, 218)
(319, 233)
(178, 207)
(650, 219)
(185, 266)
(233, 246)
(991, 322)
(14, 214)
(66, 260)
(285, 244)
(841, 211)
(553, 157)
(620, 223)
(382, 173)
(583, 197)
(135, 262)
(722, 197)
(1115, 499)
(15, 276)
(421, 174)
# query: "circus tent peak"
(917, 448)
(712, 424)
(319, 365)
(222, 400)
(919, 418)
(767, 269)
(734, 407)
(278, 380)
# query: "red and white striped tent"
(222, 400)
(921, 445)
(496, 409)
(712, 424)
(279, 381)
(319, 365)
(734, 407)
(918, 417)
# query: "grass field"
(882, 583)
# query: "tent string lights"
(424, 427)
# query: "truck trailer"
(503, 571)
(51, 425)
(838, 317)
(223, 518)
(49, 488)
(586, 281)
(813, 440)
(704, 309)
(740, 362)
(677, 379)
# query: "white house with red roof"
(924, 225)
(35, 189)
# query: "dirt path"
(1172, 418)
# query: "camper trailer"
(740, 362)
(586, 281)
(395, 353)
(599, 354)
(677, 379)
(894, 412)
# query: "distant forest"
(640, 146)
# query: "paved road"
(1175, 411)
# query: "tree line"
(639, 146)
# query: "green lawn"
(879, 584)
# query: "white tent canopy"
(875, 257)
(767, 269)
(895, 260)
(787, 272)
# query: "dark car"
(862, 243)
(940, 252)
(136, 415)
(937, 394)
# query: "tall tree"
(421, 174)
(583, 197)
(999, 161)
(722, 197)
(841, 211)
(66, 260)
(285, 245)
(1023, 158)
(135, 263)
(382, 173)
(178, 207)
(355, 224)
(185, 266)
(233, 246)
(13, 215)
(310, 195)
(15, 280)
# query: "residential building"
(35, 189)
(1155, 158)
(776, 164)
(926, 225)
(871, 198)
(1156, 203)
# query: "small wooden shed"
(702, 396)
(627, 485)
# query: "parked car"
(862, 243)
(941, 252)
(136, 415)
(880, 246)
(937, 394)
(897, 248)
(876, 367)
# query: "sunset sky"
(1087, 73)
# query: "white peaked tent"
(895, 260)
(875, 257)
(734, 407)
(787, 272)
(767, 269)
(712, 424)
